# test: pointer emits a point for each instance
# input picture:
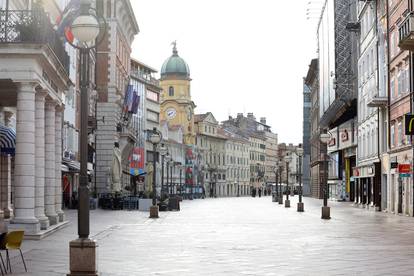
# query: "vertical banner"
(189, 166)
(136, 161)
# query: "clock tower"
(177, 108)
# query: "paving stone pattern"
(236, 236)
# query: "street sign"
(409, 124)
(404, 169)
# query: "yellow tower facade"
(177, 108)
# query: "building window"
(171, 91)
(153, 96)
(400, 135)
(392, 134)
(392, 87)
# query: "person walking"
(260, 192)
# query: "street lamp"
(299, 152)
(85, 28)
(280, 197)
(326, 212)
(163, 152)
(167, 160)
(155, 137)
(288, 158)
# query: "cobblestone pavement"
(236, 236)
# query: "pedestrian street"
(235, 236)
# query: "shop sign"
(332, 142)
(404, 168)
(405, 174)
(394, 165)
(370, 170)
(344, 136)
(355, 172)
(409, 124)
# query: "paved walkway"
(236, 236)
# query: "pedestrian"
(265, 192)
(254, 192)
(260, 192)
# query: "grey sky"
(244, 55)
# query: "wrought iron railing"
(32, 26)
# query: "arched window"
(171, 91)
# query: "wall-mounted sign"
(332, 142)
(370, 170)
(404, 168)
(409, 124)
(355, 172)
(394, 165)
(344, 136)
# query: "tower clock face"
(170, 113)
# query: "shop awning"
(7, 140)
(74, 166)
(64, 168)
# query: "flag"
(135, 103)
(64, 21)
(127, 97)
(130, 98)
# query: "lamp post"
(181, 174)
(171, 177)
(288, 158)
(280, 199)
(326, 212)
(299, 152)
(275, 194)
(155, 137)
(163, 152)
(167, 161)
(85, 28)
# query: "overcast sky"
(244, 55)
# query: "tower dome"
(175, 65)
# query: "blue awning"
(7, 140)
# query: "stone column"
(7, 180)
(50, 157)
(58, 162)
(40, 160)
(24, 172)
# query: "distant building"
(306, 143)
(112, 79)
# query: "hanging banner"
(136, 161)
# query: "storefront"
(368, 186)
(400, 191)
(342, 158)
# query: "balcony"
(31, 27)
(146, 78)
(378, 101)
(406, 33)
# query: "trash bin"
(174, 204)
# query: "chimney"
(230, 118)
(250, 116)
(239, 115)
(263, 120)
